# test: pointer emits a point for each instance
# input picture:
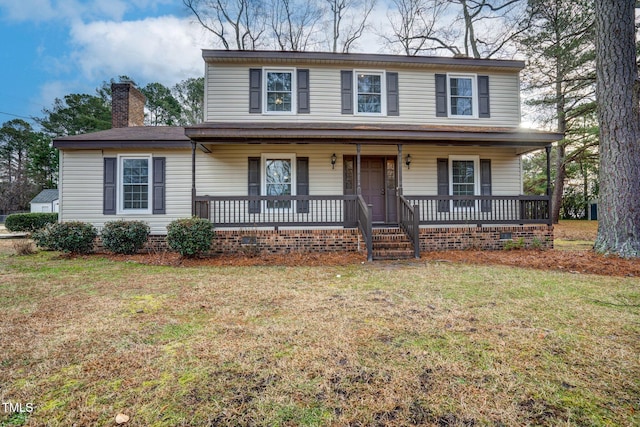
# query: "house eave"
(243, 133)
(213, 56)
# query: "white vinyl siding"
(226, 173)
(82, 180)
(227, 98)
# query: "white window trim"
(263, 177)
(120, 189)
(294, 91)
(474, 95)
(476, 177)
(383, 92)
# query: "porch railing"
(481, 210)
(365, 226)
(274, 211)
(410, 223)
(349, 211)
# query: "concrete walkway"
(6, 234)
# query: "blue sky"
(51, 48)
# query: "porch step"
(391, 243)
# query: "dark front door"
(373, 186)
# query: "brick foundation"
(350, 240)
(286, 241)
(486, 238)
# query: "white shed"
(46, 201)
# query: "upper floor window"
(369, 92)
(461, 94)
(279, 94)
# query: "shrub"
(23, 247)
(29, 222)
(190, 236)
(125, 237)
(73, 237)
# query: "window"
(369, 90)
(278, 179)
(462, 96)
(135, 182)
(279, 94)
(464, 179)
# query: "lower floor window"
(135, 183)
(278, 181)
(463, 181)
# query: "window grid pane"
(369, 93)
(278, 182)
(461, 96)
(135, 183)
(463, 180)
(279, 93)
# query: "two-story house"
(307, 151)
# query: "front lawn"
(421, 343)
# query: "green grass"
(382, 344)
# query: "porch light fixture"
(408, 161)
(333, 161)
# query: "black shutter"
(255, 90)
(393, 97)
(302, 183)
(443, 184)
(346, 91)
(159, 185)
(485, 184)
(254, 183)
(441, 95)
(483, 97)
(303, 92)
(109, 186)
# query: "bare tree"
(475, 28)
(347, 22)
(294, 23)
(413, 24)
(618, 94)
(237, 24)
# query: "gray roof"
(46, 196)
(128, 137)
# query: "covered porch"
(374, 194)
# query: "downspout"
(193, 178)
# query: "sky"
(52, 48)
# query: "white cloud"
(73, 10)
(164, 49)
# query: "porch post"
(399, 169)
(399, 186)
(358, 186)
(193, 178)
(548, 150)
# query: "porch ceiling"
(367, 134)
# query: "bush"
(125, 237)
(29, 222)
(190, 236)
(73, 237)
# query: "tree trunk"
(619, 116)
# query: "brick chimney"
(127, 105)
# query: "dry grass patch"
(426, 343)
